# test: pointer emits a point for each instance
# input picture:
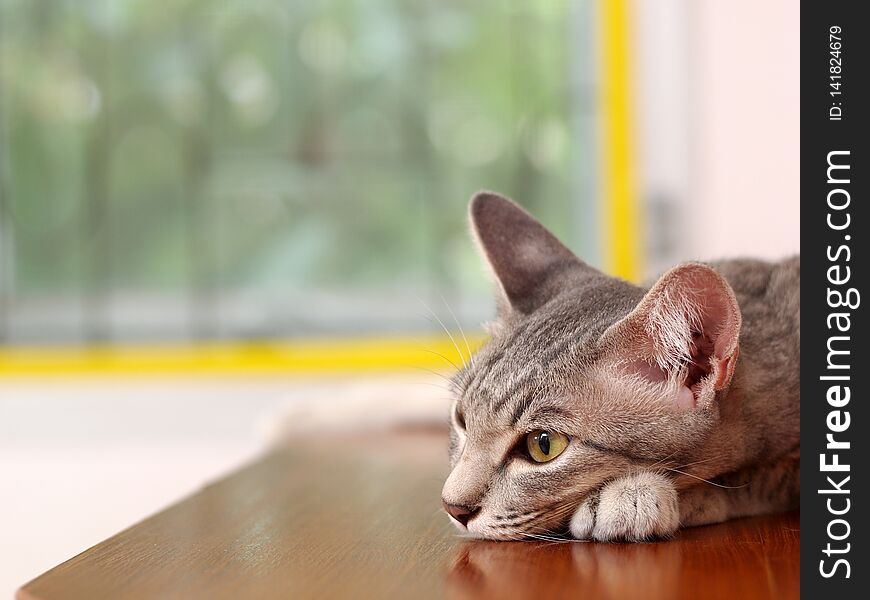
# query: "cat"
(602, 410)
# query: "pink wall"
(717, 120)
(746, 128)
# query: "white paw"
(633, 508)
(583, 521)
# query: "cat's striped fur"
(667, 425)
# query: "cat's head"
(586, 377)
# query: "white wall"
(723, 138)
(748, 120)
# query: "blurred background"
(213, 210)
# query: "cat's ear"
(524, 256)
(685, 330)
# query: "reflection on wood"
(751, 558)
(360, 518)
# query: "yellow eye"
(544, 446)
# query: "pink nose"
(462, 514)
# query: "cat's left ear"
(687, 326)
(528, 261)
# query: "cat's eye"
(544, 446)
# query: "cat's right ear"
(524, 256)
(686, 329)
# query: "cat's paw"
(633, 508)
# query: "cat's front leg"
(771, 486)
(633, 508)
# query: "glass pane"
(218, 168)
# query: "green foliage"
(268, 144)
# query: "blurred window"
(262, 168)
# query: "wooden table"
(360, 518)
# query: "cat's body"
(618, 412)
(755, 447)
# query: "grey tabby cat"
(609, 411)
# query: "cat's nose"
(461, 513)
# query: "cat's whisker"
(663, 460)
(444, 327)
(450, 362)
(727, 487)
(549, 541)
(546, 535)
(459, 325)
(697, 462)
(541, 530)
(555, 516)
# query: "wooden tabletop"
(341, 517)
